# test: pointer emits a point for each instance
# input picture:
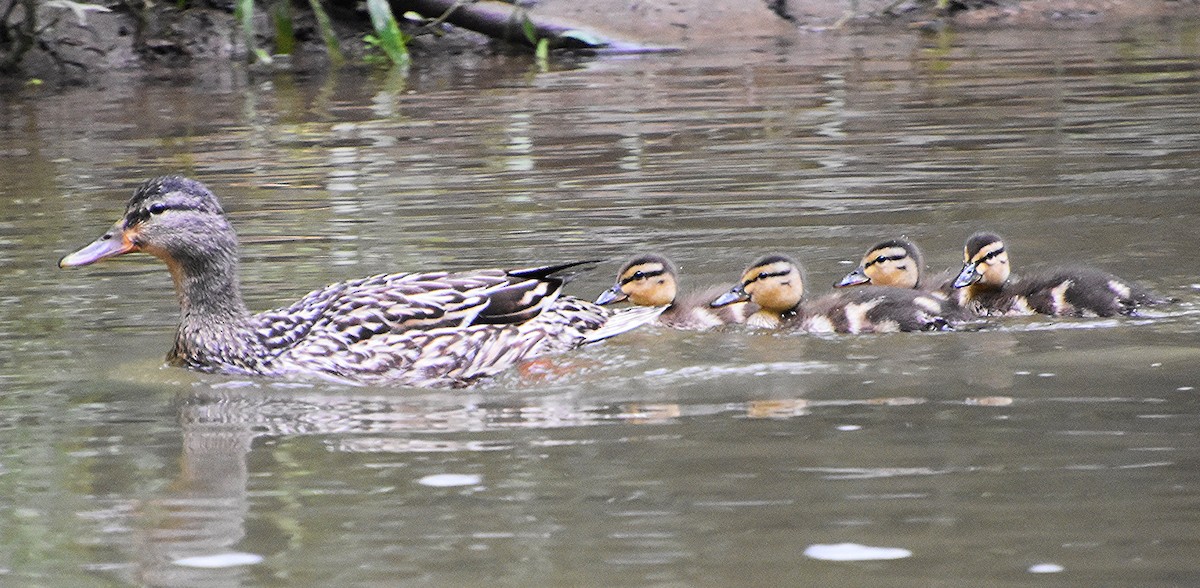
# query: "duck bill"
(969, 275)
(857, 277)
(737, 294)
(611, 295)
(111, 244)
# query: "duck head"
(775, 283)
(895, 262)
(172, 218)
(645, 280)
(985, 262)
(180, 222)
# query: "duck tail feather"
(554, 271)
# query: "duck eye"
(157, 208)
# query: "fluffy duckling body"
(776, 284)
(652, 280)
(419, 329)
(985, 285)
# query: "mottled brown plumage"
(420, 329)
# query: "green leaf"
(391, 40)
(528, 28)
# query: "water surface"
(1033, 449)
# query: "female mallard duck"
(986, 287)
(421, 329)
(776, 284)
(652, 280)
(897, 263)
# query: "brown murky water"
(1057, 451)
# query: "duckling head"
(985, 262)
(645, 280)
(895, 262)
(775, 283)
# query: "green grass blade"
(285, 32)
(387, 32)
(332, 47)
(244, 13)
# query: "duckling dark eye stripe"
(643, 275)
(990, 255)
(883, 258)
(766, 275)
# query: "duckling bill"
(418, 329)
(653, 280)
(986, 285)
(776, 284)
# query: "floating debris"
(221, 560)
(854, 552)
(450, 480)
(1045, 568)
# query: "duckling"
(652, 280)
(895, 262)
(986, 286)
(418, 329)
(776, 284)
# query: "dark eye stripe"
(883, 258)
(643, 275)
(766, 275)
(144, 214)
(990, 255)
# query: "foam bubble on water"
(854, 552)
(450, 480)
(220, 560)
(1045, 568)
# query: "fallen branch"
(508, 22)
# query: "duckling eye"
(157, 208)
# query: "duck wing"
(432, 329)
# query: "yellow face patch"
(992, 261)
(891, 266)
(649, 284)
(775, 287)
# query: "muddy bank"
(80, 44)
